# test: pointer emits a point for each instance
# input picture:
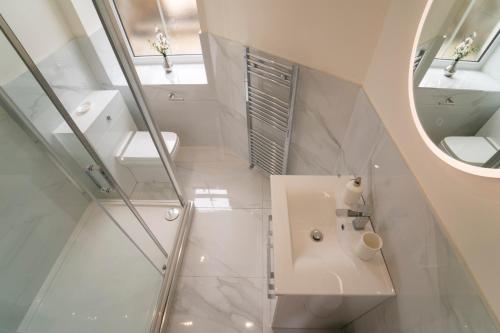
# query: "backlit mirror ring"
(471, 169)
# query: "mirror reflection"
(457, 79)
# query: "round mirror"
(456, 80)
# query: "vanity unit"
(314, 278)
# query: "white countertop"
(462, 80)
(329, 267)
(99, 99)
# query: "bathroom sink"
(310, 211)
(320, 273)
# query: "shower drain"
(172, 213)
(316, 235)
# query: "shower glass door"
(101, 111)
(68, 262)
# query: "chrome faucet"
(361, 214)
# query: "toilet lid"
(141, 149)
(474, 150)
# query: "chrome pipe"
(267, 140)
(278, 112)
(269, 79)
(269, 150)
(267, 121)
(268, 115)
(267, 168)
(253, 55)
(266, 160)
(167, 292)
(266, 163)
(273, 158)
(292, 97)
(265, 101)
(275, 99)
(269, 67)
(269, 76)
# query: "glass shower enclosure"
(88, 243)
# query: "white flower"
(160, 44)
(465, 47)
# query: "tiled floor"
(84, 292)
(222, 284)
(221, 288)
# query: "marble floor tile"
(225, 243)
(153, 191)
(217, 304)
(228, 183)
(222, 284)
(197, 154)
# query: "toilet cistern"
(361, 214)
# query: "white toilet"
(138, 153)
(478, 149)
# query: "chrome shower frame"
(110, 22)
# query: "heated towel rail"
(270, 97)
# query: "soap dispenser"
(353, 190)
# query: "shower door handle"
(90, 172)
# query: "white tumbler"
(369, 244)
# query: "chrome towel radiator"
(270, 97)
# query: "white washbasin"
(309, 210)
(325, 275)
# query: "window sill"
(462, 80)
(155, 75)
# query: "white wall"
(39, 25)
(435, 23)
(467, 205)
(80, 16)
(334, 36)
(492, 65)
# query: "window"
(178, 19)
(472, 16)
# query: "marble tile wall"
(101, 58)
(39, 208)
(107, 71)
(435, 293)
(336, 130)
(228, 67)
(68, 73)
(323, 109)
